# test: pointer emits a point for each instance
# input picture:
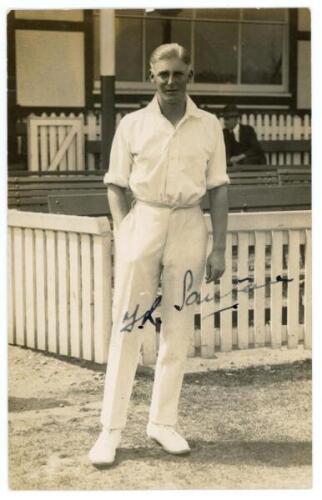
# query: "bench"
(241, 198)
(287, 175)
(256, 174)
(263, 174)
(286, 146)
(70, 193)
(272, 198)
(30, 191)
(93, 204)
(284, 152)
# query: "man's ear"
(190, 75)
(151, 75)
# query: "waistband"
(163, 205)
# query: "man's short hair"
(169, 50)
(231, 110)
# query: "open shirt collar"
(191, 108)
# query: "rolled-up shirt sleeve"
(120, 158)
(217, 165)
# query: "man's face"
(230, 121)
(170, 77)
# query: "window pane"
(218, 13)
(262, 49)
(216, 52)
(128, 50)
(160, 31)
(264, 14)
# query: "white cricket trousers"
(153, 241)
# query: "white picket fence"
(60, 283)
(278, 128)
(60, 286)
(260, 247)
(56, 142)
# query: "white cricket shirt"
(167, 165)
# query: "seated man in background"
(242, 146)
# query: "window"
(158, 30)
(216, 53)
(128, 34)
(231, 49)
(262, 54)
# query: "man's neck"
(173, 112)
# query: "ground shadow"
(259, 375)
(26, 404)
(269, 453)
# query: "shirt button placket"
(173, 158)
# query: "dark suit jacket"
(248, 145)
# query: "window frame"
(138, 87)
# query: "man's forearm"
(218, 205)
(118, 203)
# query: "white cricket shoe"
(168, 438)
(104, 450)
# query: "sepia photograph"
(159, 248)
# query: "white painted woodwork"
(60, 285)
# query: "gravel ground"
(247, 417)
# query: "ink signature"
(147, 316)
(189, 298)
(194, 297)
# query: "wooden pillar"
(12, 91)
(107, 66)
